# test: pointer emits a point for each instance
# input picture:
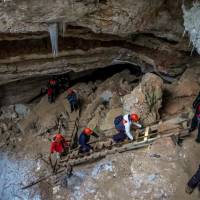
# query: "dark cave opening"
(32, 89)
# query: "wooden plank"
(146, 133)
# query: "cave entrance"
(32, 89)
(103, 73)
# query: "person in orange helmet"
(84, 138)
(123, 126)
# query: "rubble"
(147, 173)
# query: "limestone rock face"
(91, 34)
(145, 99)
(108, 122)
(110, 16)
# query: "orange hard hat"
(134, 117)
(88, 131)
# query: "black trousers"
(195, 180)
(74, 106)
(119, 137)
(195, 124)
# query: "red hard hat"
(88, 131)
(134, 117)
(58, 137)
(70, 90)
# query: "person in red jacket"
(52, 90)
(59, 144)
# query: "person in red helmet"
(123, 126)
(59, 144)
(52, 90)
(84, 138)
(72, 99)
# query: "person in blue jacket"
(73, 99)
(84, 138)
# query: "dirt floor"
(160, 171)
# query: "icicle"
(192, 51)
(192, 25)
(183, 34)
(53, 32)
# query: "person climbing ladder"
(123, 126)
(84, 138)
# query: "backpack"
(118, 122)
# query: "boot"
(188, 189)
(197, 140)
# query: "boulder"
(145, 99)
(107, 123)
(22, 110)
(44, 115)
(189, 83)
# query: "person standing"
(72, 98)
(196, 119)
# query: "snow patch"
(105, 166)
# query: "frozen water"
(100, 167)
(13, 173)
(192, 24)
(53, 31)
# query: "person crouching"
(123, 126)
(84, 138)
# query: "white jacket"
(127, 125)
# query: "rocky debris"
(179, 96)
(44, 116)
(151, 173)
(22, 110)
(189, 83)
(177, 105)
(145, 99)
(106, 96)
(8, 112)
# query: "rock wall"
(92, 34)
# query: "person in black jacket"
(196, 119)
(193, 182)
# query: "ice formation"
(53, 32)
(192, 24)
